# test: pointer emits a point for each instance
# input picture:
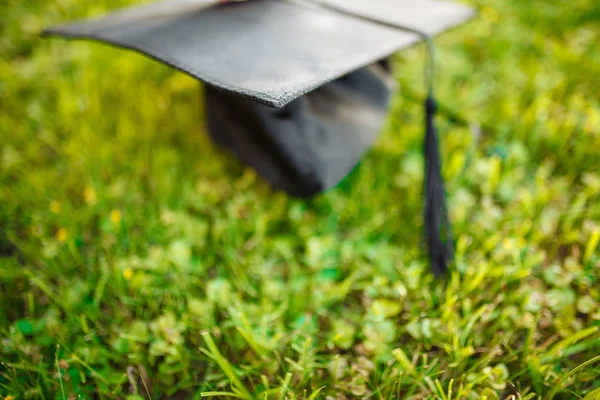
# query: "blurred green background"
(137, 260)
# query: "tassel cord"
(438, 230)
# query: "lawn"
(137, 260)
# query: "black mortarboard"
(299, 89)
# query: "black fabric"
(311, 144)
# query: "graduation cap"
(298, 89)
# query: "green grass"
(138, 260)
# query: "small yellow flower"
(115, 216)
(90, 196)
(55, 206)
(592, 120)
(62, 234)
(9, 397)
(489, 14)
(128, 274)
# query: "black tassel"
(437, 224)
